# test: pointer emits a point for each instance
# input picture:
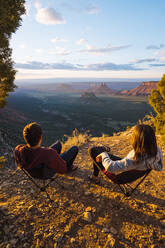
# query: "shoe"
(94, 179)
(105, 148)
(73, 168)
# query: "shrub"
(157, 101)
(76, 139)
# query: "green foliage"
(10, 20)
(2, 161)
(157, 101)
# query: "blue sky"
(91, 39)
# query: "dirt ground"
(83, 214)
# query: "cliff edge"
(83, 214)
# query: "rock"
(162, 223)
(88, 209)
(72, 240)
(110, 242)
(13, 242)
(87, 216)
(59, 239)
(105, 230)
(87, 193)
(113, 230)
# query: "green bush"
(2, 161)
(157, 101)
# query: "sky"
(91, 39)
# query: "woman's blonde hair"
(144, 142)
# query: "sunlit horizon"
(80, 39)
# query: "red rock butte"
(142, 90)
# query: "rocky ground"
(83, 215)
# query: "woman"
(145, 155)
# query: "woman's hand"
(99, 159)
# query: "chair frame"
(44, 186)
(125, 188)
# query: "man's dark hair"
(32, 133)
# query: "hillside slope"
(83, 214)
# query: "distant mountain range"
(144, 89)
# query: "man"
(32, 155)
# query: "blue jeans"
(69, 155)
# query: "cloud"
(157, 65)
(91, 9)
(155, 47)
(139, 61)
(48, 15)
(61, 51)
(35, 65)
(81, 41)
(22, 46)
(160, 55)
(111, 67)
(39, 50)
(37, 4)
(104, 50)
(54, 40)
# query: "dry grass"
(77, 139)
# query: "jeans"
(94, 152)
(69, 155)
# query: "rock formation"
(142, 90)
(89, 97)
(102, 89)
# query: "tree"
(157, 101)
(10, 20)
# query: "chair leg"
(48, 196)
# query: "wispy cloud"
(60, 51)
(157, 65)
(39, 50)
(155, 47)
(91, 9)
(112, 67)
(104, 50)
(22, 46)
(57, 39)
(48, 15)
(82, 42)
(140, 61)
(35, 65)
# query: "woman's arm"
(115, 166)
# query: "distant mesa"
(89, 97)
(102, 89)
(65, 88)
(142, 90)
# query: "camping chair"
(43, 173)
(124, 179)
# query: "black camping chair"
(43, 173)
(123, 179)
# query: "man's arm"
(56, 162)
